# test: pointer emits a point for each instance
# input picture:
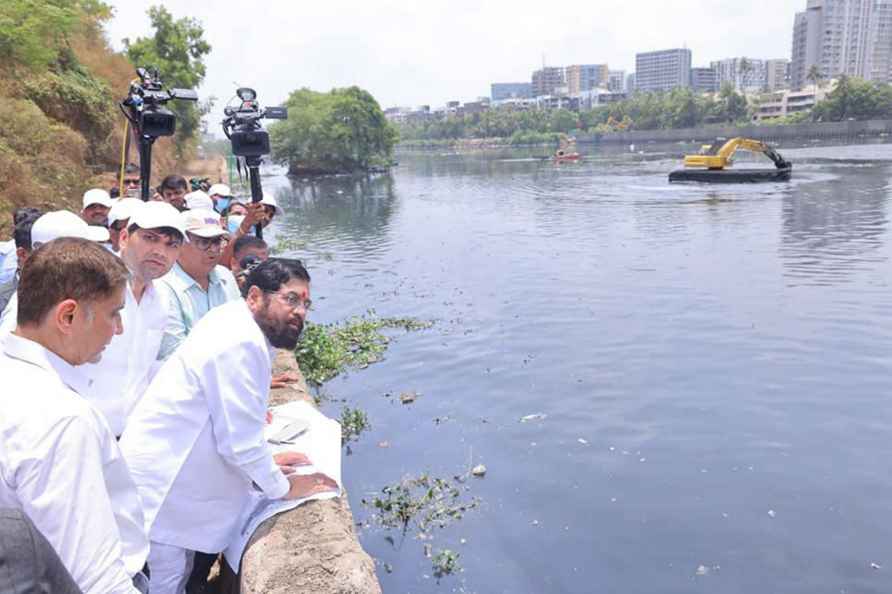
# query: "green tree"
(342, 130)
(34, 32)
(815, 76)
(854, 98)
(177, 50)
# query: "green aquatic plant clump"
(353, 422)
(445, 562)
(426, 501)
(325, 350)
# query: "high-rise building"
(663, 70)
(746, 75)
(851, 37)
(776, 72)
(703, 80)
(585, 77)
(547, 80)
(631, 87)
(616, 81)
(502, 91)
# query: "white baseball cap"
(202, 222)
(122, 209)
(97, 196)
(270, 201)
(198, 200)
(220, 190)
(155, 215)
(61, 223)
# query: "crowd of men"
(136, 347)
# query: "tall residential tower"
(851, 37)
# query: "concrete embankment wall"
(310, 549)
(828, 130)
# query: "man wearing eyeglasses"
(195, 444)
(196, 283)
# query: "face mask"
(233, 222)
(222, 203)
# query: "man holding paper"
(195, 443)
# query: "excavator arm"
(721, 157)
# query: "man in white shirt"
(149, 247)
(197, 283)
(96, 204)
(59, 462)
(9, 261)
(50, 226)
(195, 443)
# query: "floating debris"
(582, 441)
(771, 513)
(388, 568)
(384, 444)
(408, 397)
(533, 417)
(702, 570)
(876, 566)
(479, 470)
(445, 562)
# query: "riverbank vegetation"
(341, 131)
(326, 350)
(60, 82)
(680, 108)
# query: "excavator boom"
(721, 158)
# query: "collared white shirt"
(194, 443)
(128, 363)
(188, 302)
(9, 261)
(61, 465)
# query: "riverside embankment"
(312, 548)
(848, 131)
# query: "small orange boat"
(562, 156)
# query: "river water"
(714, 364)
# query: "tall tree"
(177, 50)
(815, 76)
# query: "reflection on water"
(836, 227)
(704, 355)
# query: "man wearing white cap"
(196, 283)
(199, 200)
(97, 203)
(50, 226)
(221, 195)
(118, 220)
(150, 245)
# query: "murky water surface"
(714, 364)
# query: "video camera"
(144, 109)
(145, 101)
(242, 125)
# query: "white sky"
(411, 53)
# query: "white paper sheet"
(322, 445)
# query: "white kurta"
(194, 443)
(128, 363)
(121, 377)
(61, 465)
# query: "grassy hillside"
(60, 81)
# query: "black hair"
(269, 276)
(21, 214)
(22, 232)
(173, 182)
(114, 192)
(168, 232)
(248, 241)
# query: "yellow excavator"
(712, 164)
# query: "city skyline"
(408, 54)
